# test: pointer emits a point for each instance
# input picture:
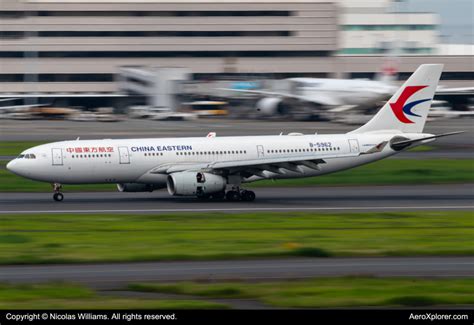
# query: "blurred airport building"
(371, 27)
(88, 47)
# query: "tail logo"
(401, 110)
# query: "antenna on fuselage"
(78, 138)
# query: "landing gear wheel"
(232, 196)
(58, 197)
(247, 196)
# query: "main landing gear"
(57, 196)
(240, 195)
(234, 195)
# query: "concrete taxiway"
(116, 274)
(318, 199)
(56, 130)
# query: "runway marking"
(447, 207)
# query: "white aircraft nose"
(11, 165)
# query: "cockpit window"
(27, 156)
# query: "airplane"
(205, 167)
(334, 94)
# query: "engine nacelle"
(269, 106)
(137, 187)
(195, 183)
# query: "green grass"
(390, 171)
(309, 293)
(422, 148)
(69, 296)
(79, 238)
(14, 148)
(332, 292)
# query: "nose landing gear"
(57, 196)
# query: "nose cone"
(11, 166)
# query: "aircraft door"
(354, 145)
(260, 151)
(124, 156)
(57, 154)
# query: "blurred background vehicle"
(208, 108)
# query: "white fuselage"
(344, 91)
(134, 160)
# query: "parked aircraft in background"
(333, 94)
(216, 167)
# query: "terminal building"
(81, 46)
(377, 27)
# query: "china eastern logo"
(401, 110)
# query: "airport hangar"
(59, 47)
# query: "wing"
(454, 91)
(316, 98)
(262, 167)
(259, 167)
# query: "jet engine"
(195, 183)
(137, 187)
(270, 106)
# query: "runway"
(318, 199)
(113, 275)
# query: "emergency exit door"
(354, 145)
(260, 151)
(124, 156)
(57, 154)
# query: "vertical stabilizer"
(408, 108)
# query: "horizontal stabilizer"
(399, 145)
